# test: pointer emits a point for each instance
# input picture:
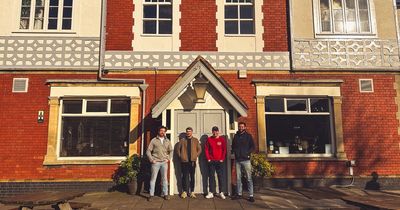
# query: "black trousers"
(188, 172)
(216, 166)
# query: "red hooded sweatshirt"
(215, 148)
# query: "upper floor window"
(344, 16)
(157, 17)
(46, 15)
(239, 17)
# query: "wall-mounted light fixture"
(200, 87)
(40, 118)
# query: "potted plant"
(127, 173)
(261, 168)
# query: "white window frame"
(87, 114)
(364, 91)
(26, 85)
(157, 18)
(238, 4)
(308, 112)
(46, 17)
(318, 28)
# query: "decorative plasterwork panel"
(181, 60)
(346, 54)
(44, 52)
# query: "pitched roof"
(200, 65)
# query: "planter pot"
(132, 187)
(258, 183)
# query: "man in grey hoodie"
(159, 153)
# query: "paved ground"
(323, 198)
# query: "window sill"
(345, 36)
(43, 33)
(156, 35)
(91, 161)
(303, 158)
(240, 35)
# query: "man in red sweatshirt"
(215, 150)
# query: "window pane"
(150, 11)
(165, 11)
(53, 12)
(72, 106)
(67, 12)
(52, 24)
(66, 24)
(120, 106)
(325, 13)
(231, 27)
(319, 105)
(246, 11)
(294, 134)
(351, 24)
(364, 21)
(149, 26)
(338, 15)
(26, 3)
(246, 27)
(96, 106)
(231, 12)
(94, 136)
(296, 104)
(67, 2)
(53, 2)
(363, 4)
(165, 27)
(39, 2)
(274, 105)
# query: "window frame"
(46, 17)
(366, 91)
(331, 115)
(157, 18)
(26, 85)
(321, 34)
(239, 19)
(88, 114)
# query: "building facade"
(86, 82)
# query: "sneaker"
(222, 195)
(184, 195)
(236, 197)
(251, 199)
(192, 195)
(150, 198)
(166, 197)
(210, 195)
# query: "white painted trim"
(291, 91)
(94, 91)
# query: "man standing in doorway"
(215, 150)
(159, 153)
(188, 151)
(242, 147)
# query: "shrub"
(261, 166)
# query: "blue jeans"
(246, 166)
(155, 167)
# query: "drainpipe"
(143, 85)
(291, 34)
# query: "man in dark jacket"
(242, 147)
(188, 151)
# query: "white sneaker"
(210, 195)
(222, 195)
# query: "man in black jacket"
(242, 147)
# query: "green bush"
(261, 166)
(128, 170)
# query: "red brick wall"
(198, 25)
(119, 24)
(275, 25)
(369, 126)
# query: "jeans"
(188, 171)
(155, 167)
(246, 166)
(216, 166)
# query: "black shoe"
(236, 197)
(150, 198)
(251, 199)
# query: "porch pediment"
(200, 66)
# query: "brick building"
(86, 82)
